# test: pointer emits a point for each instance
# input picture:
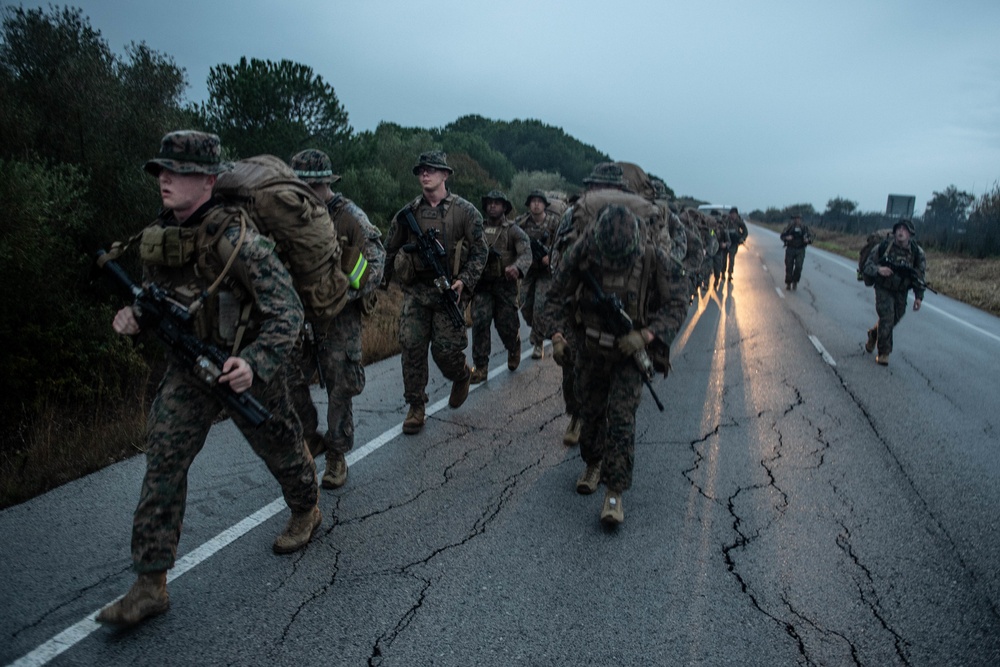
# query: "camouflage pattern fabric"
(891, 292)
(494, 302)
(189, 152)
(535, 284)
(890, 306)
(313, 166)
(338, 344)
(183, 410)
(179, 420)
(793, 263)
(424, 322)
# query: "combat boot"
(513, 359)
(872, 340)
(882, 359)
(788, 287)
(589, 479)
(414, 421)
(299, 530)
(572, 436)
(479, 375)
(460, 389)
(147, 597)
(538, 351)
(612, 513)
(335, 475)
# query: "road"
(796, 504)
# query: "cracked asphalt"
(784, 511)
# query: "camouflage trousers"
(573, 407)
(890, 305)
(609, 390)
(719, 261)
(729, 258)
(494, 302)
(179, 420)
(534, 289)
(793, 264)
(338, 348)
(425, 323)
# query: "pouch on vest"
(172, 247)
(404, 268)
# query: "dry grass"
(966, 279)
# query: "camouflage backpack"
(286, 209)
(873, 240)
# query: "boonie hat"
(496, 195)
(536, 194)
(436, 159)
(189, 152)
(607, 173)
(313, 166)
(905, 222)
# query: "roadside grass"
(63, 443)
(966, 279)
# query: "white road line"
(822, 350)
(85, 627)
(780, 292)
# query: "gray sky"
(753, 104)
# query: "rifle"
(538, 250)
(908, 272)
(172, 324)
(613, 312)
(432, 253)
(311, 339)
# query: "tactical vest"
(201, 269)
(629, 283)
(891, 253)
(500, 256)
(449, 231)
(798, 234)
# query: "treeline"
(78, 121)
(953, 221)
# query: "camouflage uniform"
(609, 385)
(337, 343)
(536, 282)
(424, 320)
(736, 231)
(796, 237)
(721, 257)
(183, 409)
(891, 292)
(495, 296)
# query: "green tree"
(983, 233)
(259, 106)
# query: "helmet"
(313, 166)
(616, 235)
(189, 152)
(905, 222)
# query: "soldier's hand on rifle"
(125, 322)
(457, 287)
(884, 271)
(559, 349)
(916, 304)
(634, 341)
(237, 373)
(512, 273)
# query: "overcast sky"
(753, 104)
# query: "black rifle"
(172, 323)
(433, 255)
(311, 339)
(907, 271)
(613, 312)
(538, 250)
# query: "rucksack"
(873, 240)
(286, 209)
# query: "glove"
(559, 350)
(632, 342)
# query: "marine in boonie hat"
(313, 166)
(606, 173)
(189, 152)
(536, 194)
(496, 195)
(436, 159)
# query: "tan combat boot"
(572, 436)
(414, 421)
(538, 351)
(882, 359)
(589, 479)
(300, 529)
(612, 513)
(335, 475)
(479, 375)
(872, 340)
(513, 359)
(147, 597)
(460, 389)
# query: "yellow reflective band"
(354, 277)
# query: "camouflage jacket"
(909, 267)
(356, 232)
(508, 245)
(543, 233)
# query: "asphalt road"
(796, 504)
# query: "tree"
(983, 235)
(277, 108)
